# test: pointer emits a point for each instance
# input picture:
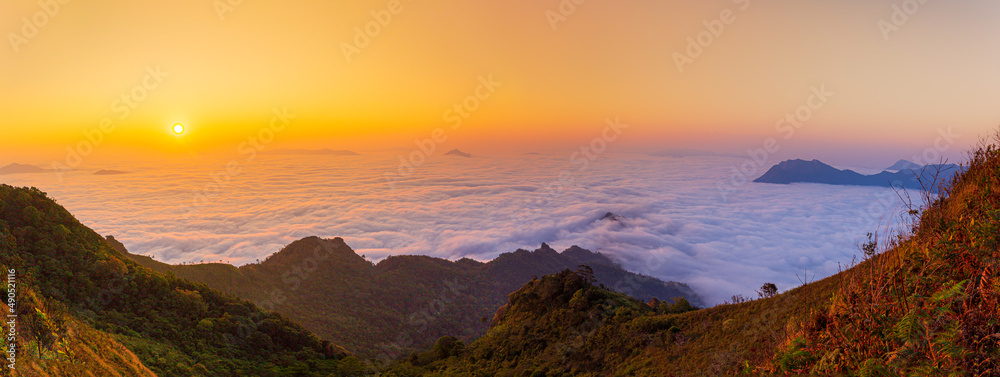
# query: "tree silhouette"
(586, 273)
(767, 290)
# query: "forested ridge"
(69, 277)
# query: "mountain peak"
(815, 171)
(110, 172)
(903, 165)
(116, 245)
(456, 152)
(613, 217)
(16, 168)
(802, 165)
(310, 250)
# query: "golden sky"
(559, 70)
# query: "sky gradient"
(896, 78)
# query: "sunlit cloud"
(670, 221)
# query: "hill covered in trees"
(403, 303)
(81, 307)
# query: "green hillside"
(69, 347)
(403, 303)
(80, 306)
(925, 304)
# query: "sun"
(178, 128)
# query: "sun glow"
(178, 128)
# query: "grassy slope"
(82, 351)
(929, 305)
(926, 305)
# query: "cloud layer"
(675, 226)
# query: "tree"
(736, 299)
(586, 273)
(767, 290)
(870, 248)
(680, 305)
(45, 331)
(351, 366)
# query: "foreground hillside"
(74, 348)
(927, 304)
(403, 303)
(80, 308)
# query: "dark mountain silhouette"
(110, 172)
(408, 301)
(312, 152)
(904, 165)
(16, 168)
(456, 152)
(814, 171)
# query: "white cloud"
(676, 225)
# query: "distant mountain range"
(16, 168)
(367, 307)
(456, 152)
(312, 152)
(109, 172)
(903, 165)
(814, 171)
(685, 152)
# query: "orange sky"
(225, 74)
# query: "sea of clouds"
(674, 224)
